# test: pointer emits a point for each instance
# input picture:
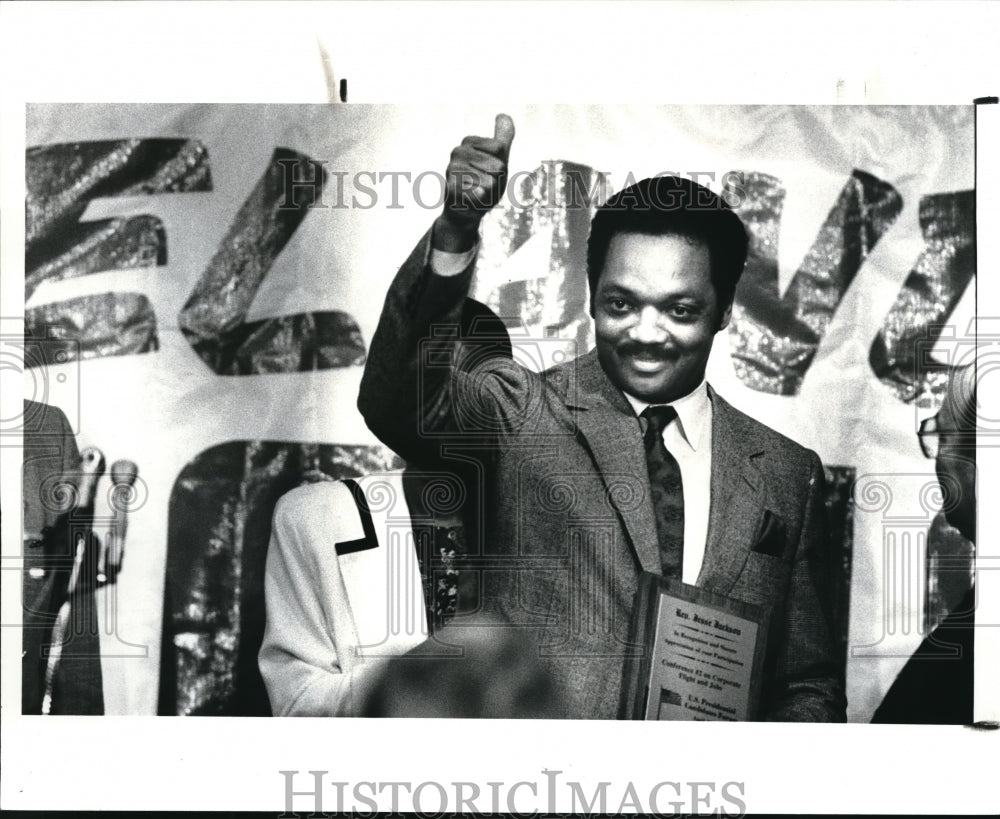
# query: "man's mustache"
(651, 351)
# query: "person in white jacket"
(339, 603)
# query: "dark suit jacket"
(51, 456)
(568, 527)
(937, 684)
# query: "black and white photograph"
(426, 436)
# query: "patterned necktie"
(667, 489)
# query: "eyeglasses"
(930, 437)
(958, 443)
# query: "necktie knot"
(657, 418)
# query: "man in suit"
(936, 685)
(50, 472)
(572, 516)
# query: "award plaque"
(701, 656)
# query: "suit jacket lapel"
(736, 507)
(611, 431)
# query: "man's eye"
(683, 311)
(618, 305)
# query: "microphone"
(109, 561)
(91, 469)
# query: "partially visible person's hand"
(474, 184)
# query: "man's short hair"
(672, 206)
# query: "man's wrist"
(446, 264)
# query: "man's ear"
(724, 318)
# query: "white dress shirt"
(688, 438)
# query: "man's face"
(656, 314)
(956, 469)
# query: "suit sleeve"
(417, 386)
(307, 657)
(809, 678)
(70, 450)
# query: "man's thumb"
(503, 130)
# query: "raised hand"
(474, 183)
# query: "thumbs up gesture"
(474, 183)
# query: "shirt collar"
(693, 410)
